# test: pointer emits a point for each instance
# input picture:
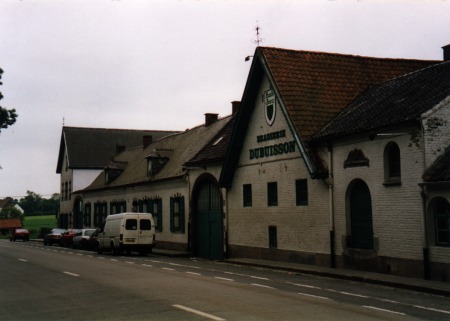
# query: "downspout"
(423, 194)
(331, 207)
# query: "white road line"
(23, 260)
(129, 262)
(306, 286)
(168, 269)
(147, 265)
(262, 286)
(384, 310)
(224, 279)
(193, 273)
(114, 260)
(353, 294)
(314, 296)
(154, 261)
(431, 309)
(259, 278)
(71, 274)
(203, 314)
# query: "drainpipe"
(331, 207)
(425, 250)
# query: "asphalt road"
(51, 283)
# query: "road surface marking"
(23, 260)
(114, 260)
(203, 314)
(71, 274)
(224, 279)
(431, 309)
(193, 273)
(262, 286)
(168, 269)
(353, 294)
(259, 278)
(154, 261)
(314, 296)
(147, 265)
(306, 286)
(384, 310)
(129, 262)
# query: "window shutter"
(171, 215)
(182, 221)
(160, 216)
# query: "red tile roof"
(10, 223)
(315, 86)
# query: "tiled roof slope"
(316, 86)
(10, 223)
(402, 99)
(439, 171)
(93, 148)
(216, 149)
(178, 148)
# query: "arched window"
(392, 166)
(441, 211)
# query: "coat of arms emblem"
(269, 106)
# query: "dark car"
(20, 234)
(54, 236)
(81, 239)
(92, 242)
(67, 237)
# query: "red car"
(20, 234)
(67, 237)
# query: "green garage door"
(209, 222)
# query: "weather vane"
(258, 38)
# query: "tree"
(34, 204)
(7, 116)
(11, 212)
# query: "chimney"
(210, 119)
(446, 52)
(235, 107)
(146, 140)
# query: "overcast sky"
(164, 64)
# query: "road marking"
(262, 286)
(147, 265)
(306, 286)
(193, 273)
(431, 309)
(259, 278)
(203, 314)
(314, 296)
(353, 294)
(114, 260)
(23, 260)
(384, 310)
(71, 274)
(224, 279)
(129, 262)
(168, 269)
(154, 261)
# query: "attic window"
(217, 141)
(154, 164)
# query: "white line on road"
(203, 314)
(147, 265)
(193, 273)
(305, 286)
(314, 296)
(262, 286)
(71, 274)
(224, 279)
(23, 260)
(384, 310)
(168, 269)
(129, 262)
(431, 309)
(259, 278)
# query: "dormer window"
(155, 162)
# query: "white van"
(127, 232)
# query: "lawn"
(34, 224)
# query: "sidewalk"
(402, 282)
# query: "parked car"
(54, 236)
(67, 237)
(80, 240)
(92, 243)
(20, 234)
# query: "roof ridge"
(263, 48)
(118, 129)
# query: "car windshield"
(58, 231)
(20, 230)
(89, 232)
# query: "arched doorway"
(78, 213)
(361, 216)
(208, 222)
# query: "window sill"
(392, 182)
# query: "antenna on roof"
(258, 38)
